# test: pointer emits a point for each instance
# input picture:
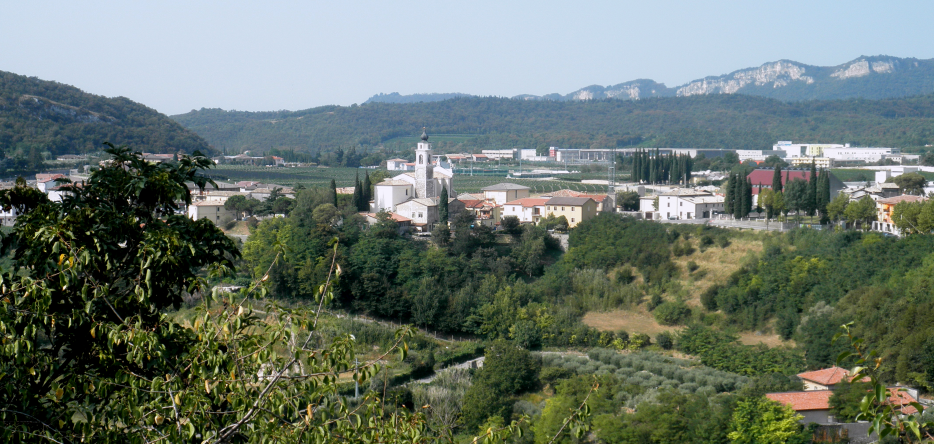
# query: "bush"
(672, 313)
(665, 340)
(655, 301)
(692, 266)
(551, 375)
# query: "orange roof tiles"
(803, 401)
(826, 376)
(902, 198)
(902, 399)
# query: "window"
(562, 208)
(572, 219)
(406, 191)
(419, 214)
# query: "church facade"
(416, 194)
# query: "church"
(415, 195)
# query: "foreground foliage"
(88, 353)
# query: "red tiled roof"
(393, 216)
(764, 177)
(902, 399)
(827, 376)
(803, 401)
(528, 202)
(595, 197)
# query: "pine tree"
(332, 193)
(777, 179)
(443, 204)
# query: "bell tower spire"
(424, 170)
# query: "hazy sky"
(270, 55)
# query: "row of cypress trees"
(661, 168)
(362, 193)
(738, 195)
(810, 196)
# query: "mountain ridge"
(869, 77)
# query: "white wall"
(388, 196)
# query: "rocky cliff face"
(873, 77)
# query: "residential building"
(604, 202)
(210, 210)
(527, 210)
(885, 207)
(813, 406)
(575, 209)
(404, 223)
(675, 204)
(824, 379)
(46, 181)
(505, 192)
(397, 165)
(647, 208)
(485, 211)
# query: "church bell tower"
(424, 170)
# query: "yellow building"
(819, 162)
(575, 209)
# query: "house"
(824, 379)
(688, 203)
(505, 192)
(403, 222)
(575, 209)
(396, 165)
(813, 405)
(885, 207)
(527, 210)
(211, 210)
(487, 212)
(604, 202)
(46, 181)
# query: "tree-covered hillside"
(716, 121)
(40, 116)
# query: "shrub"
(551, 375)
(655, 301)
(692, 266)
(672, 313)
(665, 340)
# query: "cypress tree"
(747, 197)
(443, 204)
(367, 189)
(358, 194)
(636, 167)
(332, 193)
(811, 203)
(777, 179)
(728, 196)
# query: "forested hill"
(51, 117)
(715, 121)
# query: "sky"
(176, 56)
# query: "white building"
(415, 195)
(793, 150)
(397, 165)
(527, 210)
(745, 155)
(847, 153)
(686, 203)
(505, 192)
(499, 154)
(211, 210)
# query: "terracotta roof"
(803, 401)
(902, 399)
(393, 216)
(763, 176)
(528, 202)
(902, 198)
(826, 376)
(48, 177)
